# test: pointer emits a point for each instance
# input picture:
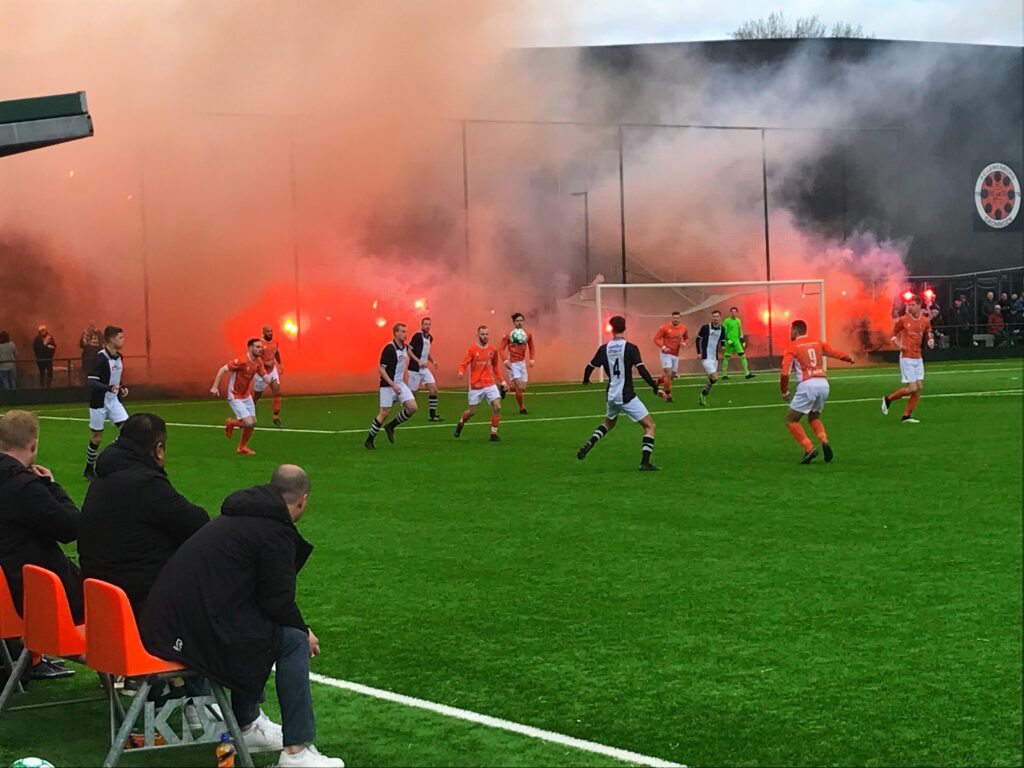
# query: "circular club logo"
(997, 195)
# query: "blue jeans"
(7, 380)
(297, 718)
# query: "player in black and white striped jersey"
(420, 361)
(394, 359)
(618, 358)
(105, 393)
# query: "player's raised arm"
(836, 353)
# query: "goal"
(765, 308)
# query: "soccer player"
(243, 370)
(420, 361)
(515, 358)
(272, 362)
(394, 359)
(669, 338)
(618, 357)
(910, 331)
(105, 393)
(735, 342)
(484, 381)
(710, 337)
(807, 355)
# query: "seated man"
(224, 605)
(36, 516)
(132, 518)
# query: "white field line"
(763, 376)
(485, 421)
(495, 722)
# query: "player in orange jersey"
(807, 356)
(669, 338)
(910, 331)
(515, 358)
(272, 362)
(485, 381)
(243, 370)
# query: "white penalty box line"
(489, 721)
(485, 422)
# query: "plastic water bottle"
(225, 752)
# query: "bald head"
(291, 481)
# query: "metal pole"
(622, 222)
(767, 241)
(145, 265)
(821, 314)
(586, 237)
(295, 241)
(600, 325)
(465, 191)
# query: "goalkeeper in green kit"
(734, 340)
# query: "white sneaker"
(264, 735)
(885, 405)
(310, 757)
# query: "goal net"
(766, 309)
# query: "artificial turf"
(736, 608)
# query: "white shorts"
(111, 411)
(635, 409)
(422, 376)
(260, 383)
(389, 398)
(811, 396)
(490, 394)
(911, 369)
(243, 408)
(710, 365)
(670, 361)
(518, 371)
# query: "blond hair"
(17, 430)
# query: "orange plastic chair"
(114, 647)
(49, 628)
(11, 628)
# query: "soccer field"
(736, 608)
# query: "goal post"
(766, 309)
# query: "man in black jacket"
(44, 347)
(133, 520)
(225, 605)
(36, 516)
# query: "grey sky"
(602, 22)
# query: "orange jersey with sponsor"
(482, 363)
(910, 333)
(671, 337)
(270, 353)
(243, 370)
(807, 356)
(517, 352)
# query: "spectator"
(44, 347)
(91, 344)
(133, 520)
(959, 323)
(36, 516)
(987, 306)
(1004, 306)
(225, 605)
(996, 324)
(8, 368)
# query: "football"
(31, 762)
(518, 336)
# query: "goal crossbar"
(766, 284)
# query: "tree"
(777, 26)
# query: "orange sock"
(666, 384)
(799, 435)
(466, 416)
(901, 392)
(495, 421)
(819, 429)
(235, 423)
(246, 434)
(277, 406)
(519, 398)
(912, 403)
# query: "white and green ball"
(518, 336)
(31, 762)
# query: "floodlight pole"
(145, 265)
(622, 222)
(767, 241)
(465, 192)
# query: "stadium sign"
(997, 195)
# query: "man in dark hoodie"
(36, 516)
(133, 520)
(224, 605)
